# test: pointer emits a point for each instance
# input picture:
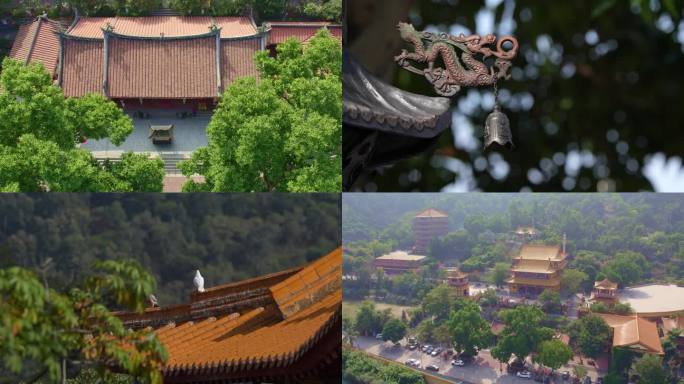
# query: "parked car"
(411, 346)
(378, 336)
(434, 352)
(565, 375)
(413, 363)
(432, 367)
(457, 363)
(524, 374)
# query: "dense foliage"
(39, 130)
(44, 328)
(227, 237)
(359, 368)
(282, 133)
(585, 101)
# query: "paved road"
(484, 370)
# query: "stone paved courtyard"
(189, 134)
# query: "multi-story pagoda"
(279, 328)
(536, 268)
(604, 291)
(459, 283)
(427, 225)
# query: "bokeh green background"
(595, 100)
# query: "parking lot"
(483, 370)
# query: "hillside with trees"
(228, 237)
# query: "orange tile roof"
(431, 213)
(302, 307)
(634, 332)
(237, 59)
(82, 67)
(162, 69)
(670, 324)
(38, 42)
(169, 26)
(605, 283)
(529, 281)
(303, 31)
(541, 252)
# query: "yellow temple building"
(536, 268)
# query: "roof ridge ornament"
(464, 69)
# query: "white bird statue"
(153, 300)
(198, 281)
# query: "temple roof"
(605, 284)
(671, 323)
(280, 31)
(253, 327)
(38, 42)
(370, 103)
(431, 213)
(525, 231)
(537, 266)
(541, 252)
(400, 255)
(166, 26)
(634, 332)
(536, 282)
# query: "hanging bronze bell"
(498, 129)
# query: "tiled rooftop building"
(536, 268)
(282, 327)
(398, 262)
(634, 333)
(182, 58)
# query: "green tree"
(522, 333)
(39, 130)
(394, 330)
(550, 301)
(424, 331)
(649, 369)
(282, 133)
(553, 354)
(47, 327)
(488, 298)
(626, 268)
(141, 7)
(591, 335)
(438, 302)
(324, 9)
(572, 281)
(469, 331)
(500, 273)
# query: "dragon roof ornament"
(467, 69)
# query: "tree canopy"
(39, 131)
(282, 133)
(469, 331)
(553, 354)
(522, 334)
(45, 327)
(591, 335)
(358, 367)
(393, 330)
